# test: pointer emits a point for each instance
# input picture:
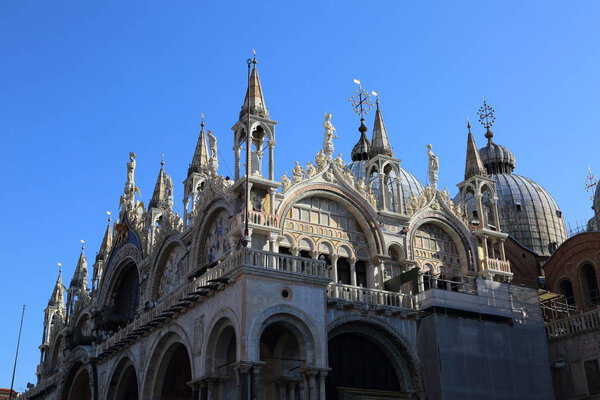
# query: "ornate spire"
(254, 95)
(201, 156)
(58, 297)
(163, 190)
(362, 104)
(79, 280)
(473, 165)
(380, 143)
(128, 201)
(106, 241)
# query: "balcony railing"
(284, 262)
(369, 296)
(255, 218)
(458, 283)
(189, 293)
(497, 265)
(583, 322)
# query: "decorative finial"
(202, 123)
(109, 216)
(361, 102)
(254, 58)
(59, 267)
(590, 182)
(162, 161)
(468, 125)
(487, 119)
(82, 244)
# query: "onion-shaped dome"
(497, 159)
(409, 184)
(527, 211)
(362, 148)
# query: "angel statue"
(433, 167)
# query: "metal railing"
(369, 296)
(458, 283)
(583, 322)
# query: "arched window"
(589, 284)
(361, 273)
(565, 287)
(127, 292)
(343, 270)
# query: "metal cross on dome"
(486, 115)
(361, 102)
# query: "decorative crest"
(361, 101)
(486, 115)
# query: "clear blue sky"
(85, 83)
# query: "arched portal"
(221, 357)
(124, 382)
(80, 387)
(366, 361)
(284, 357)
(174, 375)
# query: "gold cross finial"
(486, 115)
(361, 102)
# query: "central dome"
(527, 211)
(409, 184)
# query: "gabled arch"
(359, 208)
(453, 227)
(164, 250)
(208, 215)
(125, 256)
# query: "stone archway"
(220, 360)
(284, 357)
(173, 376)
(169, 370)
(80, 384)
(124, 382)
(365, 359)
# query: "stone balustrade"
(497, 265)
(257, 218)
(375, 297)
(585, 321)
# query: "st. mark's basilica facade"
(340, 280)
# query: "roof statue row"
(527, 212)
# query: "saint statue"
(328, 137)
(214, 160)
(131, 170)
(433, 167)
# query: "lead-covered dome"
(409, 184)
(527, 211)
